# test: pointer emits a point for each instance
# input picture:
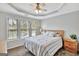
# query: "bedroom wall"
(3, 43)
(68, 22)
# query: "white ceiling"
(26, 9)
(4, 7)
(30, 8)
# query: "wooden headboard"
(61, 32)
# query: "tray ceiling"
(29, 8)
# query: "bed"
(45, 44)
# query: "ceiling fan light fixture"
(38, 11)
(38, 8)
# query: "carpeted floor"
(21, 51)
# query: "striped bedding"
(43, 45)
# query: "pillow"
(43, 32)
(46, 33)
(52, 34)
(57, 35)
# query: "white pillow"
(52, 34)
(46, 33)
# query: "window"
(24, 28)
(35, 25)
(12, 29)
(18, 28)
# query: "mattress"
(43, 45)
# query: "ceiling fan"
(39, 7)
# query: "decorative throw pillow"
(52, 34)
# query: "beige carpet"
(21, 51)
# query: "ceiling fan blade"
(44, 9)
(43, 4)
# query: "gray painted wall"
(68, 22)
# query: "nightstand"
(70, 45)
(78, 47)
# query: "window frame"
(8, 29)
(29, 28)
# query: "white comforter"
(43, 45)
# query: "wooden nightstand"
(78, 47)
(70, 45)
